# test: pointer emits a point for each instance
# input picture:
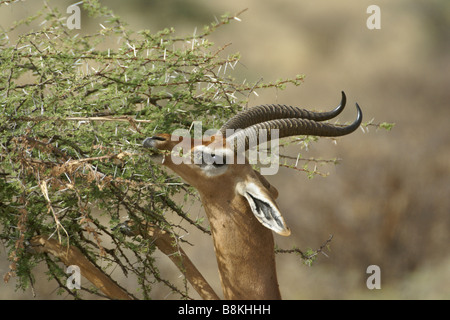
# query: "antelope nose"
(151, 142)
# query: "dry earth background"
(388, 202)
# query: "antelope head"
(239, 202)
(213, 165)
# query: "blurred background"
(388, 201)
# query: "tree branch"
(71, 255)
(168, 245)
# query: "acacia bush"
(74, 114)
(75, 110)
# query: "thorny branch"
(310, 256)
(168, 244)
(71, 255)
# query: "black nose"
(151, 141)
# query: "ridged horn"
(265, 113)
(243, 139)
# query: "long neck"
(244, 250)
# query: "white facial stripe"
(212, 171)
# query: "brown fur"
(244, 248)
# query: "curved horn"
(247, 137)
(264, 113)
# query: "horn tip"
(344, 98)
(360, 115)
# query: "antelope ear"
(263, 207)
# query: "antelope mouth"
(152, 144)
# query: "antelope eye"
(218, 160)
